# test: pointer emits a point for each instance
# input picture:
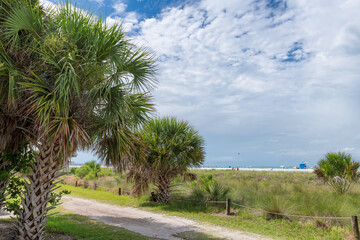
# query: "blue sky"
(276, 81)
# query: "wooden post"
(95, 186)
(355, 227)
(119, 193)
(76, 183)
(228, 206)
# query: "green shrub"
(81, 172)
(207, 189)
(90, 176)
(73, 171)
(105, 172)
(89, 171)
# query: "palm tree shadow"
(184, 205)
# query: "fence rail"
(294, 215)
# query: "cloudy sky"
(276, 81)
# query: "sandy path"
(146, 223)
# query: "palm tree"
(207, 189)
(339, 170)
(85, 86)
(171, 147)
(15, 123)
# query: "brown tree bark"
(43, 172)
(163, 189)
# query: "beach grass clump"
(274, 208)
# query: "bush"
(105, 172)
(89, 171)
(73, 171)
(81, 172)
(90, 176)
(207, 189)
(338, 170)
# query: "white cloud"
(98, 1)
(244, 68)
(119, 8)
(248, 74)
(47, 3)
(128, 20)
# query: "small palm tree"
(171, 146)
(338, 170)
(207, 189)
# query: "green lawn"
(83, 228)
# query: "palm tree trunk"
(163, 189)
(33, 217)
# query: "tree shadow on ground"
(192, 235)
(178, 205)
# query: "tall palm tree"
(85, 86)
(171, 147)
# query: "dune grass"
(291, 193)
(288, 192)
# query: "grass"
(83, 228)
(293, 193)
(282, 192)
(243, 220)
(288, 192)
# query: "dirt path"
(146, 223)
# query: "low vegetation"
(91, 171)
(83, 228)
(258, 193)
(67, 226)
(339, 170)
(207, 189)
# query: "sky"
(265, 82)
